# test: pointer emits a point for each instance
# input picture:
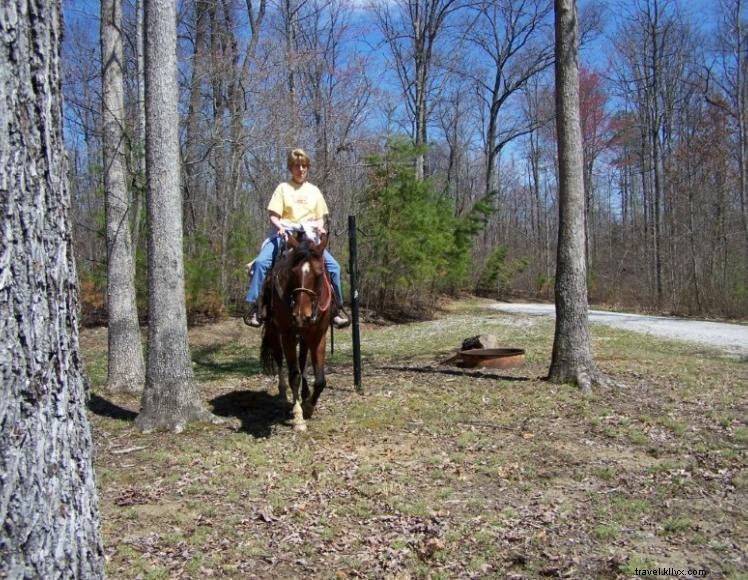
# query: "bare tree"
(572, 352)
(653, 46)
(194, 146)
(170, 397)
(541, 160)
(515, 40)
(48, 504)
(334, 89)
(732, 84)
(126, 371)
(82, 89)
(411, 29)
(595, 135)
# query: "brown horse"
(298, 295)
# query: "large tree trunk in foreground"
(48, 505)
(126, 366)
(572, 353)
(170, 398)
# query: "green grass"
(677, 525)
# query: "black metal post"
(355, 334)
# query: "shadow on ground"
(258, 411)
(206, 367)
(104, 408)
(456, 372)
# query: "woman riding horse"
(294, 202)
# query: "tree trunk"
(741, 110)
(139, 181)
(659, 178)
(48, 502)
(572, 353)
(126, 366)
(422, 57)
(170, 398)
(657, 154)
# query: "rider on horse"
(296, 202)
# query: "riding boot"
(340, 318)
(251, 318)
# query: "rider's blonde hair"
(296, 155)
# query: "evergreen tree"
(414, 244)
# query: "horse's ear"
(319, 248)
(292, 241)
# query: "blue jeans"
(264, 261)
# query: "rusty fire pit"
(495, 358)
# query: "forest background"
(433, 122)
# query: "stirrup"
(251, 318)
(341, 321)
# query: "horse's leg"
(320, 382)
(282, 385)
(294, 377)
(282, 380)
(303, 351)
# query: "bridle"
(281, 282)
(315, 296)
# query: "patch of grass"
(96, 368)
(605, 473)
(677, 427)
(605, 532)
(217, 362)
(416, 507)
(626, 509)
(635, 563)
(741, 435)
(466, 439)
(636, 437)
(677, 525)
(665, 466)
(733, 572)
(137, 565)
(195, 566)
(611, 432)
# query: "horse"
(298, 298)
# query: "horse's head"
(306, 281)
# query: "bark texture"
(126, 365)
(170, 397)
(572, 353)
(48, 504)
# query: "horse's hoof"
(299, 427)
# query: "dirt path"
(729, 337)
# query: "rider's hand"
(282, 232)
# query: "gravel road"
(732, 338)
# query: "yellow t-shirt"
(298, 203)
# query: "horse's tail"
(269, 349)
